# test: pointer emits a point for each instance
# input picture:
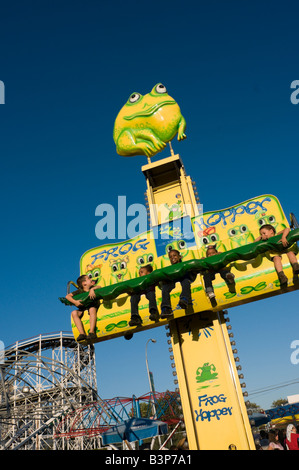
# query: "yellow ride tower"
(212, 398)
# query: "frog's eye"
(243, 229)
(96, 273)
(150, 258)
(161, 88)
(182, 244)
(232, 232)
(134, 97)
(271, 219)
(261, 222)
(140, 260)
(123, 265)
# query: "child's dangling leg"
(76, 316)
(208, 277)
(166, 310)
(92, 323)
(229, 278)
(279, 269)
(294, 263)
(185, 297)
(152, 304)
(136, 319)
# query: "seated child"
(209, 275)
(267, 231)
(85, 284)
(167, 287)
(150, 294)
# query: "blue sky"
(68, 67)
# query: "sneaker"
(295, 267)
(212, 298)
(230, 277)
(283, 279)
(183, 303)
(154, 315)
(211, 294)
(135, 320)
(91, 335)
(128, 336)
(81, 338)
(166, 312)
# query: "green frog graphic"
(119, 269)
(146, 123)
(206, 372)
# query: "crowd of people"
(278, 439)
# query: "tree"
(279, 402)
(253, 406)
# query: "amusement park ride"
(213, 404)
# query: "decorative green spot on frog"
(146, 123)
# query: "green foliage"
(253, 407)
(279, 402)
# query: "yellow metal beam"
(213, 404)
(212, 399)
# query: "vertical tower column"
(169, 189)
(212, 400)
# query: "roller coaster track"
(42, 378)
(54, 403)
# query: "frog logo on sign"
(206, 372)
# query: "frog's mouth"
(151, 110)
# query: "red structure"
(98, 417)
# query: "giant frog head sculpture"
(146, 123)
